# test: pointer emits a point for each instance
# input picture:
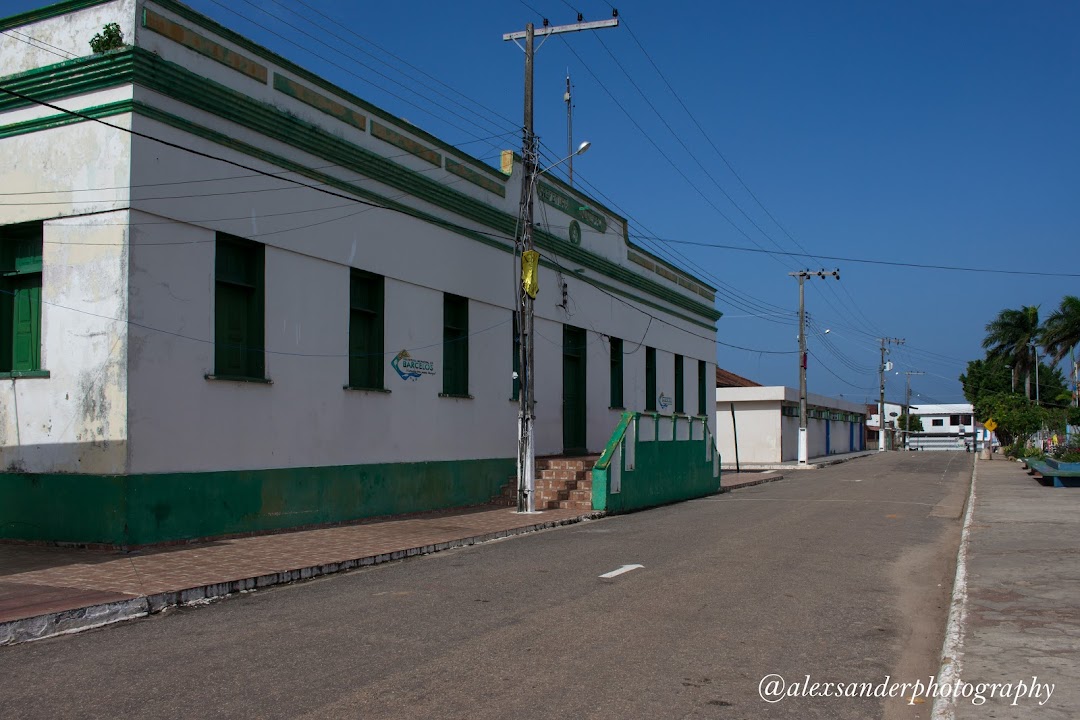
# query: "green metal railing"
(653, 459)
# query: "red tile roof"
(725, 378)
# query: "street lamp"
(525, 288)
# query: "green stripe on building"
(145, 509)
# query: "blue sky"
(923, 131)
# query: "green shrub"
(110, 38)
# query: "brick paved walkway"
(38, 580)
(47, 589)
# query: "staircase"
(561, 483)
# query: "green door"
(573, 390)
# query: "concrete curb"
(952, 648)
(772, 477)
(76, 620)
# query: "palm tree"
(1061, 331)
(1009, 337)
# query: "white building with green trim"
(236, 297)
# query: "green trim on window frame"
(28, 374)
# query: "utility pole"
(804, 447)
(526, 465)
(907, 405)
(882, 369)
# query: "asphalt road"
(842, 574)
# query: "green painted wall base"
(145, 509)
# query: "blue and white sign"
(409, 368)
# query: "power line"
(741, 300)
(923, 266)
(407, 63)
(341, 67)
(723, 158)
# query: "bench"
(1051, 472)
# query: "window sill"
(239, 378)
(458, 397)
(358, 388)
(24, 374)
(616, 407)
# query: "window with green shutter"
(616, 372)
(702, 388)
(650, 379)
(455, 345)
(680, 386)
(366, 293)
(20, 297)
(239, 309)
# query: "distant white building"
(761, 424)
(946, 426)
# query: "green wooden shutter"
(616, 373)
(680, 385)
(239, 308)
(26, 341)
(650, 379)
(455, 345)
(366, 298)
(702, 388)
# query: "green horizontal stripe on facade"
(466, 172)
(206, 23)
(144, 68)
(320, 102)
(71, 77)
(142, 509)
(406, 143)
(52, 121)
(203, 45)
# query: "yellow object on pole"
(530, 266)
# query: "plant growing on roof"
(110, 38)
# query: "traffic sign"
(990, 425)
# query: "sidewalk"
(46, 591)
(1022, 617)
(813, 464)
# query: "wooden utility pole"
(882, 369)
(804, 445)
(526, 465)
